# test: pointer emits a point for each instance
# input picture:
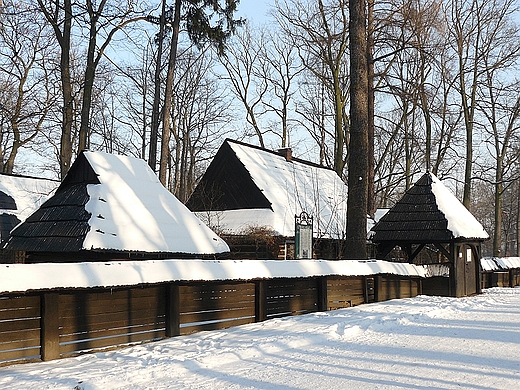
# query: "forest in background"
(444, 93)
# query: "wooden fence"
(49, 325)
(502, 278)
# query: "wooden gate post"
(50, 326)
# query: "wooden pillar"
(453, 271)
(260, 300)
(173, 325)
(50, 326)
(322, 293)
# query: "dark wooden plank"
(22, 341)
(191, 306)
(217, 315)
(18, 325)
(19, 335)
(10, 302)
(215, 325)
(19, 312)
(71, 325)
(84, 304)
(219, 286)
(21, 354)
(96, 344)
(93, 334)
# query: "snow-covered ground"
(422, 342)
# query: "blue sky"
(254, 10)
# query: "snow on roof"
(488, 264)
(28, 193)
(132, 211)
(499, 263)
(460, 221)
(25, 277)
(291, 187)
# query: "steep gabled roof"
(248, 186)
(427, 213)
(114, 203)
(19, 197)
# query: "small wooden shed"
(431, 227)
(112, 207)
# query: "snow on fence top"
(43, 276)
(499, 263)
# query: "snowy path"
(423, 342)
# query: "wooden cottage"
(251, 196)
(112, 207)
(430, 226)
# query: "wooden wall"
(49, 325)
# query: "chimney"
(286, 152)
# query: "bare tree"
(102, 20)
(199, 117)
(283, 70)
(320, 32)
(26, 97)
(247, 73)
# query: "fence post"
(260, 301)
(173, 326)
(378, 288)
(322, 293)
(50, 326)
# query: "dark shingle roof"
(417, 218)
(61, 222)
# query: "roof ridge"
(274, 152)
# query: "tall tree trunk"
(518, 220)
(90, 71)
(154, 130)
(66, 85)
(168, 96)
(371, 207)
(63, 38)
(497, 236)
(355, 245)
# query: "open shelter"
(430, 226)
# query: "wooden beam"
(416, 252)
(444, 251)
